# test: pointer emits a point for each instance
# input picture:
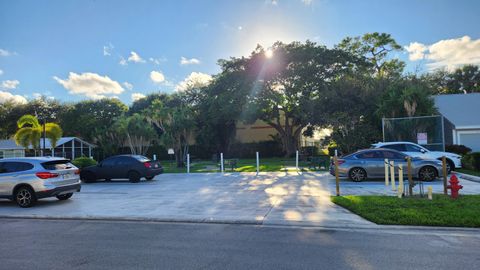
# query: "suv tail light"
(77, 171)
(46, 175)
(147, 164)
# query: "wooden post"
(444, 170)
(409, 173)
(386, 172)
(400, 179)
(337, 180)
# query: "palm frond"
(28, 119)
(53, 132)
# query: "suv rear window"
(57, 165)
(9, 167)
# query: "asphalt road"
(76, 244)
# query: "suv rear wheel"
(25, 197)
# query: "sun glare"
(269, 53)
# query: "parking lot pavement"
(269, 198)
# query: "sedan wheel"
(25, 197)
(134, 177)
(427, 173)
(357, 174)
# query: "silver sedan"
(370, 163)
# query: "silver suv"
(25, 180)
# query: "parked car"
(132, 167)
(25, 180)
(415, 150)
(370, 163)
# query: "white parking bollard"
(392, 174)
(296, 161)
(258, 163)
(188, 163)
(154, 157)
(221, 162)
(386, 172)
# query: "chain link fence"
(427, 131)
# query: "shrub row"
(471, 161)
(457, 149)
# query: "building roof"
(460, 109)
(10, 144)
(65, 140)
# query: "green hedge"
(471, 161)
(457, 149)
(83, 162)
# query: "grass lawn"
(243, 165)
(441, 211)
(471, 172)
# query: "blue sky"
(67, 49)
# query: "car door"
(415, 151)
(398, 159)
(106, 169)
(123, 166)
(12, 173)
(372, 161)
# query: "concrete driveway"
(269, 198)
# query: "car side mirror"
(423, 151)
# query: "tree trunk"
(289, 136)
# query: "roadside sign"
(170, 151)
(422, 138)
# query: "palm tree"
(30, 131)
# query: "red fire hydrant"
(454, 186)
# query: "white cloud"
(191, 61)
(194, 80)
(123, 61)
(128, 85)
(134, 57)
(449, 53)
(91, 85)
(6, 96)
(416, 51)
(157, 76)
(137, 96)
(5, 52)
(107, 49)
(157, 61)
(1, 72)
(307, 2)
(10, 84)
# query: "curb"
(142, 219)
(373, 227)
(469, 177)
